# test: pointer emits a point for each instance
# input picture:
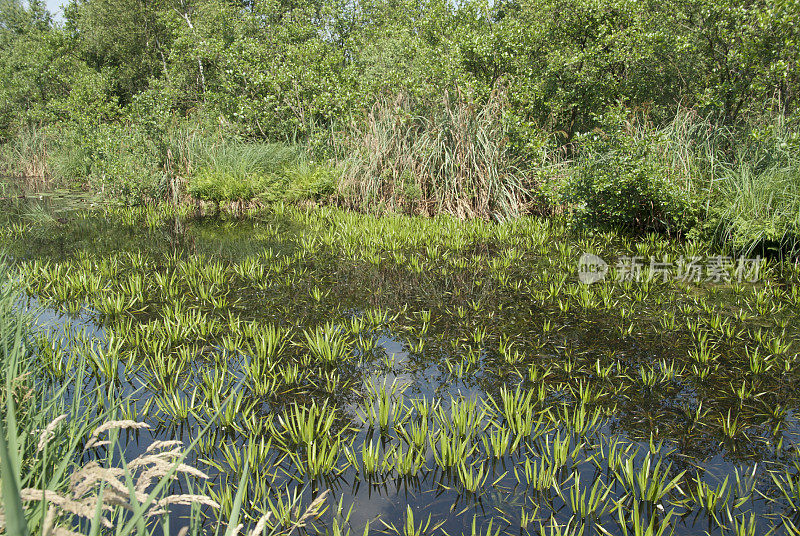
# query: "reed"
(450, 162)
(45, 487)
(28, 157)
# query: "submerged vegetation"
(455, 374)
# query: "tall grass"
(70, 158)
(235, 171)
(746, 176)
(232, 170)
(40, 158)
(690, 147)
(25, 157)
(758, 205)
(454, 160)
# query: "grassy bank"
(736, 188)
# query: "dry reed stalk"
(93, 440)
(93, 483)
(47, 433)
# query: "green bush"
(127, 163)
(622, 181)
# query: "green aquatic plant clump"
(62, 444)
(218, 185)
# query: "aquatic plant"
(410, 528)
(383, 406)
(650, 482)
(327, 343)
(301, 424)
(463, 377)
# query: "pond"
(435, 375)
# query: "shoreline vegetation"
(691, 178)
(675, 118)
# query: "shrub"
(628, 180)
(127, 163)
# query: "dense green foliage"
(116, 93)
(623, 181)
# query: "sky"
(54, 7)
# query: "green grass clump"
(760, 207)
(453, 160)
(757, 196)
(234, 171)
(218, 185)
(306, 180)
